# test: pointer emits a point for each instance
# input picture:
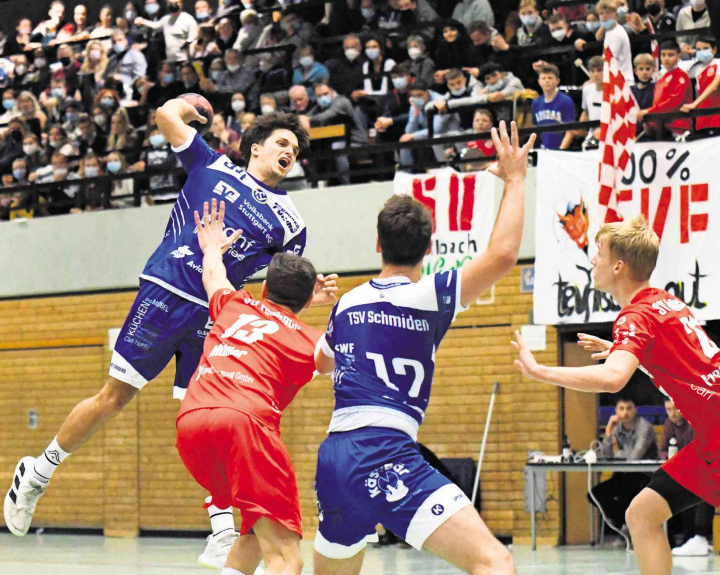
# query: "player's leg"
(245, 554)
(280, 547)
(660, 500)
(465, 541)
(325, 566)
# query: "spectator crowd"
(79, 97)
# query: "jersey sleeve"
(297, 244)
(195, 154)
(218, 300)
(327, 341)
(633, 332)
(447, 293)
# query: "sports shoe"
(216, 550)
(22, 498)
(695, 547)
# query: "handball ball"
(204, 108)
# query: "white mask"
(91, 171)
(458, 92)
(238, 105)
(234, 68)
(559, 34)
(414, 53)
(351, 54)
(267, 109)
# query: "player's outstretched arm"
(591, 343)
(214, 243)
(609, 377)
(172, 119)
(501, 254)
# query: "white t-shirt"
(592, 100)
(619, 43)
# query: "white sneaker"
(216, 550)
(22, 498)
(694, 547)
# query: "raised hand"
(525, 362)
(512, 159)
(592, 343)
(210, 229)
(325, 290)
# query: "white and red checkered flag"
(618, 124)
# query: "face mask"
(8, 104)
(215, 75)
(29, 150)
(107, 102)
(560, 34)
(114, 167)
(168, 78)
(40, 62)
(174, 8)
(622, 10)
(151, 8)
(54, 143)
(95, 55)
(420, 102)
(62, 172)
(698, 5)
(497, 86)
(307, 61)
(130, 16)
(368, 13)
(234, 68)
(458, 92)
(703, 56)
(20, 70)
(19, 175)
(100, 120)
(72, 117)
(400, 83)
(592, 26)
(92, 172)
(528, 21)
(414, 53)
(120, 47)
(267, 109)
(607, 24)
(325, 101)
(372, 53)
(351, 54)
(653, 9)
(157, 140)
(202, 15)
(248, 5)
(58, 92)
(65, 61)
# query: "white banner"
(463, 210)
(674, 185)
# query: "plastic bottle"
(566, 451)
(672, 448)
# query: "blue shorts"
(377, 475)
(160, 325)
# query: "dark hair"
(595, 63)
(404, 229)
(670, 45)
(707, 40)
(262, 128)
(419, 84)
(556, 19)
(453, 73)
(290, 281)
(479, 26)
(550, 69)
(625, 398)
(399, 69)
(489, 68)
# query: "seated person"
(391, 123)
(417, 125)
(672, 91)
(476, 149)
(309, 72)
(419, 63)
(697, 522)
(459, 94)
(553, 107)
(495, 85)
(628, 437)
(708, 82)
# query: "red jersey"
(672, 91)
(256, 358)
(661, 331)
(704, 79)
(485, 147)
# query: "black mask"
(174, 8)
(17, 135)
(65, 61)
(653, 9)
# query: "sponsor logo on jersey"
(622, 336)
(224, 350)
(208, 326)
(386, 479)
(437, 509)
(257, 219)
(226, 191)
(236, 375)
(287, 217)
(158, 304)
(259, 196)
(389, 319)
(137, 318)
(198, 268)
(181, 252)
(297, 250)
(282, 318)
(118, 368)
(711, 377)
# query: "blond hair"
(98, 68)
(607, 6)
(527, 3)
(644, 59)
(633, 242)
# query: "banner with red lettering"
(674, 185)
(463, 211)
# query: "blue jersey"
(383, 336)
(560, 111)
(268, 218)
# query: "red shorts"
(694, 473)
(242, 463)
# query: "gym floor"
(80, 554)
